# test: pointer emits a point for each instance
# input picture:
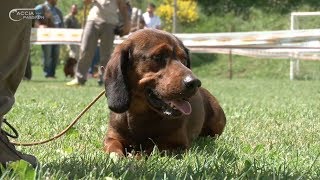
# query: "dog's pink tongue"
(183, 106)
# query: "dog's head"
(71, 62)
(151, 69)
(69, 67)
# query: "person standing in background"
(101, 24)
(150, 18)
(71, 21)
(52, 19)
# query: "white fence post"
(292, 61)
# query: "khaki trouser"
(14, 50)
(91, 33)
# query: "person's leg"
(89, 42)
(14, 48)
(28, 73)
(106, 47)
(97, 56)
(95, 61)
(55, 59)
(47, 60)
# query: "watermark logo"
(19, 14)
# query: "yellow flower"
(187, 11)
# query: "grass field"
(272, 132)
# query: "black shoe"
(8, 152)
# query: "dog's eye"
(158, 57)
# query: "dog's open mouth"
(170, 108)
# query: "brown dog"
(69, 67)
(154, 97)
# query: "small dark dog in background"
(69, 67)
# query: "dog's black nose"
(191, 82)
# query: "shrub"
(187, 12)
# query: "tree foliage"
(220, 15)
(251, 15)
(210, 7)
(187, 12)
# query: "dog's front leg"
(113, 145)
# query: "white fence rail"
(293, 44)
(273, 44)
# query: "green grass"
(252, 68)
(272, 130)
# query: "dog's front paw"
(115, 156)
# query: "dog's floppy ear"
(186, 50)
(188, 57)
(116, 80)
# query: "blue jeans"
(50, 59)
(95, 60)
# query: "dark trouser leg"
(47, 59)
(55, 59)
(28, 73)
(14, 48)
